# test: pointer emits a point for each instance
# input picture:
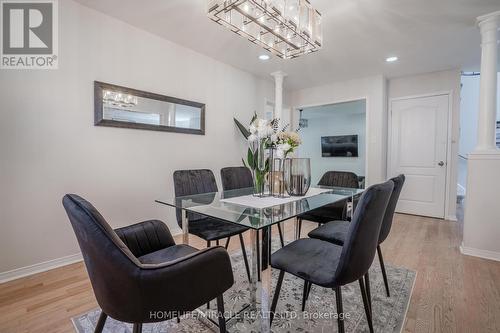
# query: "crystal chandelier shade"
(286, 28)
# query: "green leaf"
(254, 117)
(244, 131)
(244, 164)
(251, 159)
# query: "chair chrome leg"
(245, 259)
(368, 291)
(300, 228)
(137, 328)
(368, 310)
(382, 266)
(227, 242)
(100, 323)
(220, 314)
(276, 295)
(282, 239)
(340, 309)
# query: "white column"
(488, 25)
(278, 93)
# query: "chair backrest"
(391, 207)
(361, 241)
(191, 182)
(340, 179)
(110, 264)
(234, 178)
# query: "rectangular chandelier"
(286, 28)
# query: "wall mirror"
(117, 106)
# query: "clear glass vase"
(259, 174)
(297, 172)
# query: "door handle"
(441, 163)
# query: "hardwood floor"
(452, 293)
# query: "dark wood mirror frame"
(99, 120)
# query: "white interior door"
(418, 148)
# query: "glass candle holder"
(297, 172)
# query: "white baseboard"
(40, 267)
(452, 218)
(485, 254)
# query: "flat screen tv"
(339, 146)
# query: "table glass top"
(249, 210)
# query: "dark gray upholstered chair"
(191, 182)
(332, 266)
(139, 270)
(336, 231)
(337, 210)
(234, 178)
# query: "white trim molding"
(39, 268)
(485, 254)
(451, 217)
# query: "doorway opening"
(334, 138)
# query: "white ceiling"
(426, 35)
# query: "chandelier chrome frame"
(286, 28)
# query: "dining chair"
(337, 210)
(234, 178)
(336, 231)
(332, 266)
(191, 182)
(138, 271)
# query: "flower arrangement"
(262, 135)
(287, 143)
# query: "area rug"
(319, 316)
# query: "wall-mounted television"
(339, 146)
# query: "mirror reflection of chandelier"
(118, 98)
(286, 28)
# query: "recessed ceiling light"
(391, 59)
(264, 57)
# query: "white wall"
(337, 119)
(373, 89)
(49, 146)
(437, 82)
(481, 228)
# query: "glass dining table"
(259, 214)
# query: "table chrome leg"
(255, 265)
(185, 227)
(296, 234)
(266, 283)
(260, 291)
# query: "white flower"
(261, 133)
(285, 147)
(261, 123)
(252, 128)
(282, 149)
(252, 138)
(274, 137)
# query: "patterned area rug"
(319, 316)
